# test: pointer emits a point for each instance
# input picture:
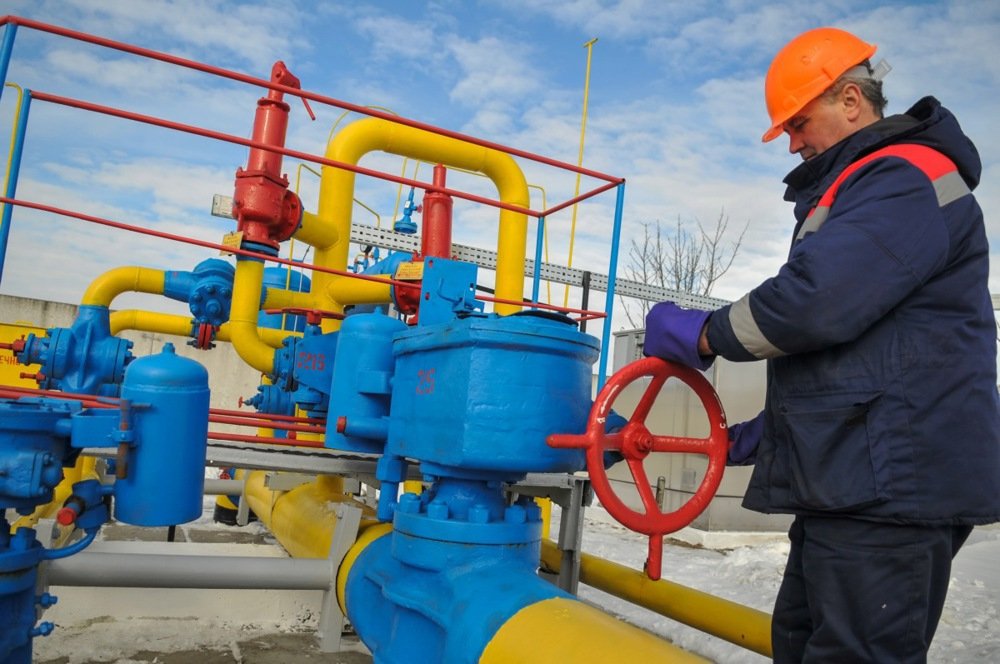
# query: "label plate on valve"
(411, 271)
(233, 241)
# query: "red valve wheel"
(635, 442)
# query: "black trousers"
(861, 591)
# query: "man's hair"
(871, 88)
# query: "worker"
(880, 426)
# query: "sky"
(675, 107)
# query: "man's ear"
(851, 101)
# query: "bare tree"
(678, 260)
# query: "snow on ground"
(969, 631)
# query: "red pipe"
(291, 442)
(436, 233)
(220, 419)
(267, 416)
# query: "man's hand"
(676, 334)
(744, 437)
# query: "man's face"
(820, 125)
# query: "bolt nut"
(438, 509)
(409, 503)
(479, 513)
(515, 514)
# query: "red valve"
(66, 516)
(313, 316)
(635, 442)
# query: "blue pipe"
(537, 279)
(6, 49)
(609, 302)
(15, 168)
(72, 549)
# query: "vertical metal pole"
(585, 298)
(536, 279)
(609, 303)
(6, 49)
(15, 168)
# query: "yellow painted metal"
(105, 288)
(727, 620)
(280, 298)
(545, 505)
(329, 230)
(151, 321)
(10, 370)
(368, 533)
(345, 290)
(567, 630)
(13, 138)
(243, 333)
(301, 518)
(413, 486)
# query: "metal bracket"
(331, 619)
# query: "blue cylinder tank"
(164, 474)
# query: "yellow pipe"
(345, 291)
(576, 632)
(329, 229)
(151, 321)
(719, 617)
(301, 519)
(244, 336)
(279, 298)
(113, 283)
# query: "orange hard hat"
(805, 68)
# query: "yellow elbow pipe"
(576, 632)
(247, 285)
(329, 230)
(719, 617)
(112, 283)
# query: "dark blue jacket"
(880, 339)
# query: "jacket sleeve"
(885, 235)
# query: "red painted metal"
(436, 232)
(635, 442)
(262, 440)
(267, 416)
(281, 426)
(266, 211)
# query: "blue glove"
(672, 334)
(744, 437)
(613, 424)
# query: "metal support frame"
(573, 494)
(331, 619)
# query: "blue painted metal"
(609, 301)
(448, 289)
(33, 448)
(19, 557)
(304, 367)
(272, 399)
(536, 279)
(83, 358)
(358, 418)
(207, 290)
(6, 49)
(277, 277)
(15, 170)
(164, 473)
(477, 397)
(456, 567)
(405, 224)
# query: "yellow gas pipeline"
(727, 620)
